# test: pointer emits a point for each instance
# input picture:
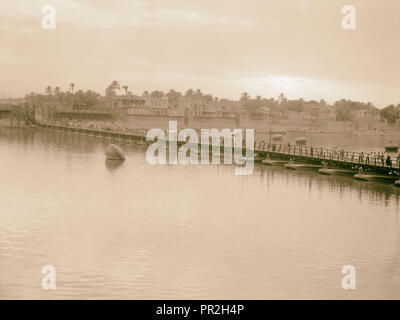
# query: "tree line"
(89, 100)
(79, 100)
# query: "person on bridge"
(361, 157)
(388, 161)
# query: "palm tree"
(157, 94)
(49, 90)
(282, 98)
(198, 93)
(115, 86)
(173, 96)
(111, 90)
(126, 89)
(189, 93)
(245, 96)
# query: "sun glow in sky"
(290, 85)
(263, 47)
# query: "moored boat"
(375, 177)
(258, 158)
(271, 162)
(391, 147)
(397, 183)
(301, 141)
(276, 137)
(303, 166)
(337, 171)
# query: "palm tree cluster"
(391, 113)
(90, 99)
(344, 108)
(79, 100)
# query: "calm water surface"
(147, 232)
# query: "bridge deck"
(334, 157)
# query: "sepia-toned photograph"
(199, 150)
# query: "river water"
(187, 232)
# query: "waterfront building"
(259, 113)
(318, 111)
(365, 120)
(115, 103)
(197, 106)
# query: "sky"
(263, 47)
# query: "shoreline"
(5, 123)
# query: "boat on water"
(303, 166)
(301, 141)
(271, 162)
(391, 147)
(113, 152)
(337, 171)
(375, 177)
(397, 183)
(258, 158)
(276, 137)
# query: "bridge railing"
(318, 153)
(376, 159)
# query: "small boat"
(391, 147)
(113, 152)
(258, 158)
(336, 171)
(301, 141)
(271, 162)
(303, 166)
(397, 183)
(276, 137)
(375, 177)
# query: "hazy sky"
(224, 47)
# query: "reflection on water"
(114, 164)
(133, 230)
